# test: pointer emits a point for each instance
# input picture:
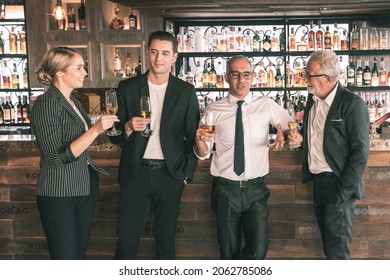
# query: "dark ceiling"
(240, 8)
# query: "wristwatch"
(188, 180)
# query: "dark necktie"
(239, 157)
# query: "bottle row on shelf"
(126, 23)
(378, 103)
(12, 39)
(270, 73)
(14, 79)
(129, 69)
(68, 20)
(248, 38)
(14, 112)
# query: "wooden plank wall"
(293, 230)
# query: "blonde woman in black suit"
(68, 184)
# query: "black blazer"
(346, 141)
(179, 121)
(56, 125)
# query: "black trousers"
(241, 209)
(151, 188)
(67, 222)
(334, 217)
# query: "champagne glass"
(146, 113)
(112, 108)
(293, 125)
(209, 126)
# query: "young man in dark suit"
(335, 151)
(154, 170)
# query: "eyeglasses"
(236, 75)
(307, 76)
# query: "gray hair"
(329, 63)
(234, 58)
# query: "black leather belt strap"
(241, 184)
(325, 174)
(153, 163)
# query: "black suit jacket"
(179, 121)
(346, 142)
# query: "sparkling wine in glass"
(209, 126)
(146, 113)
(112, 108)
(293, 127)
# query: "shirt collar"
(233, 100)
(329, 99)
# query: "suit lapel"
(332, 109)
(169, 99)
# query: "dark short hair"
(164, 36)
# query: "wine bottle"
(291, 40)
(81, 14)
(374, 74)
(270, 76)
(319, 37)
(22, 41)
(278, 77)
(336, 38)
(14, 77)
(71, 19)
(19, 111)
(351, 73)
(327, 39)
(256, 42)
(261, 76)
(132, 20)
(13, 41)
(212, 75)
(354, 38)
(311, 38)
(117, 64)
(367, 74)
(205, 76)
(6, 76)
(374, 39)
(7, 111)
(382, 73)
(359, 73)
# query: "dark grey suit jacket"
(56, 125)
(179, 121)
(346, 142)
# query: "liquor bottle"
(239, 40)
(170, 29)
(61, 23)
(14, 77)
(266, 43)
(282, 41)
(374, 74)
(190, 77)
(289, 75)
(257, 44)
(231, 39)
(13, 41)
(382, 73)
(364, 36)
(1, 43)
(81, 14)
(25, 110)
(248, 44)
(372, 109)
(212, 75)
(383, 39)
(359, 73)
(179, 38)
(188, 41)
(292, 41)
(181, 75)
(354, 38)
(319, 37)
(71, 19)
(327, 39)
(138, 68)
(214, 42)
(311, 38)
(25, 76)
(342, 77)
(7, 111)
(223, 43)
(302, 73)
(132, 20)
(367, 74)
(351, 73)
(198, 76)
(19, 111)
(117, 64)
(275, 41)
(270, 76)
(128, 68)
(261, 76)
(278, 77)
(116, 22)
(336, 38)
(22, 41)
(374, 39)
(380, 108)
(6, 77)
(2, 12)
(302, 46)
(205, 76)
(297, 74)
(344, 41)
(220, 82)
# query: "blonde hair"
(54, 60)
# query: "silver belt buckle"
(243, 184)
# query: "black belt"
(153, 163)
(324, 174)
(241, 184)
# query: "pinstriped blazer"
(56, 125)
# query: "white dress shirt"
(157, 95)
(257, 114)
(317, 117)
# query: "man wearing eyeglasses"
(240, 162)
(335, 151)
